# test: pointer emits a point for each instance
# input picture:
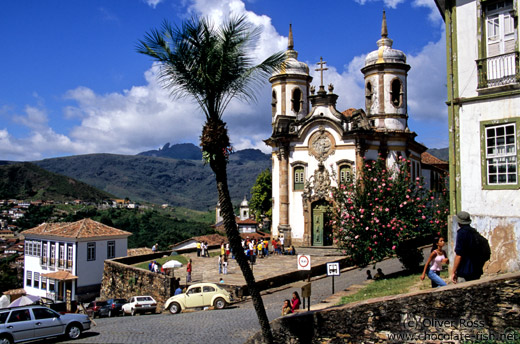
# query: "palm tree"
(212, 65)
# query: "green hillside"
(180, 183)
(30, 182)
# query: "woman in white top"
(437, 258)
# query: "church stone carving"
(318, 185)
(322, 145)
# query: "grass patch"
(391, 286)
(161, 261)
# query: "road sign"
(304, 262)
(332, 269)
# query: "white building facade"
(63, 260)
(315, 145)
(484, 120)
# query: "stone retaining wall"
(121, 280)
(456, 313)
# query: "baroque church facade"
(314, 145)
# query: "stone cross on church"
(321, 70)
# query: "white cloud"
(427, 82)
(388, 3)
(152, 3)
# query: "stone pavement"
(206, 269)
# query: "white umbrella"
(24, 300)
(4, 301)
(172, 264)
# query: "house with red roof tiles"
(66, 260)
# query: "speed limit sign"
(304, 262)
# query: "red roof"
(85, 228)
(427, 158)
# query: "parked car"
(94, 307)
(199, 295)
(140, 304)
(20, 324)
(112, 308)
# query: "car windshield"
(144, 299)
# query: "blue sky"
(72, 83)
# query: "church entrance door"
(321, 230)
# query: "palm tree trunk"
(218, 163)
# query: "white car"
(140, 304)
(199, 295)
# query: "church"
(314, 145)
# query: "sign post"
(304, 263)
(333, 270)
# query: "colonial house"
(66, 260)
(483, 80)
(312, 141)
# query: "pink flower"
(393, 247)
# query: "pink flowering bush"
(376, 215)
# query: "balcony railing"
(498, 70)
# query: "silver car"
(20, 324)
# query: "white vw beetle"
(199, 295)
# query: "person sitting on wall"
(379, 275)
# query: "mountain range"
(173, 174)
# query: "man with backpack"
(471, 250)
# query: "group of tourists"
(202, 249)
(290, 306)
(153, 266)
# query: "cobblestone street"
(231, 325)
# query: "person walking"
(220, 264)
(469, 260)
(437, 257)
(188, 271)
(225, 265)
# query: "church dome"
(292, 65)
(244, 203)
(385, 53)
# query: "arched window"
(368, 96)
(296, 100)
(345, 174)
(273, 102)
(397, 92)
(299, 177)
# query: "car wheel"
(219, 303)
(73, 331)
(5, 340)
(174, 308)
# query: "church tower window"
(273, 103)
(299, 178)
(368, 96)
(397, 92)
(296, 100)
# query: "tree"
(212, 65)
(261, 199)
(383, 211)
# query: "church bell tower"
(385, 74)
